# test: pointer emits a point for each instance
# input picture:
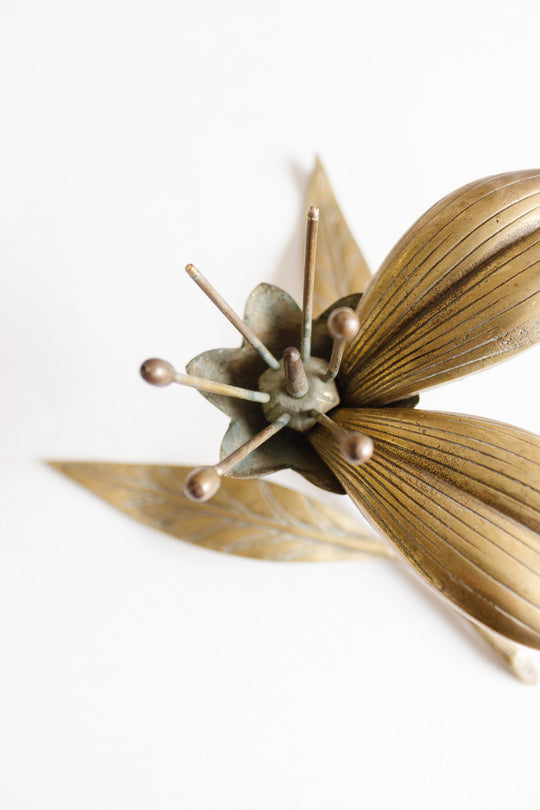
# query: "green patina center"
(321, 395)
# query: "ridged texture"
(247, 518)
(460, 499)
(460, 291)
(340, 268)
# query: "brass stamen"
(343, 325)
(231, 316)
(160, 372)
(296, 383)
(203, 482)
(310, 254)
(355, 447)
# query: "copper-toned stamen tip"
(295, 376)
(202, 484)
(343, 325)
(157, 372)
(231, 316)
(309, 281)
(355, 447)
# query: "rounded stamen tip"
(202, 484)
(343, 323)
(157, 372)
(191, 270)
(356, 448)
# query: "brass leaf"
(459, 497)
(250, 518)
(341, 269)
(458, 292)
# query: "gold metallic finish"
(231, 316)
(459, 497)
(459, 292)
(310, 255)
(341, 268)
(249, 518)
(296, 383)
(355, 447)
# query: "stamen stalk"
(310, 255)
(201, 384)
(203, 482)
(231, 316)
(226, 464)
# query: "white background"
(138, 671)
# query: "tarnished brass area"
(340, 268)
(276, 318)
(251, 519)
(459, 497)
(459, 292)
(321, 395)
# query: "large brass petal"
(247, 518)
(460, 499)
(340, 268)
(460, 291)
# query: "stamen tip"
(313, 213)
(356, 448)
(157, 372)
(191, 270)
(343, 323)
(202, 484)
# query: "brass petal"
(460, 291)
(247, 518)
(460, 498)
(340, 269)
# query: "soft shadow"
(462, 626)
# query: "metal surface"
(251, 518)
(312, 227)
(459, 292)
(340, 268)
(231, 315)
(459, 497)
(321, 396)
(296, 382)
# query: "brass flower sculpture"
(335, 398)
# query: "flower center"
(298, 389)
